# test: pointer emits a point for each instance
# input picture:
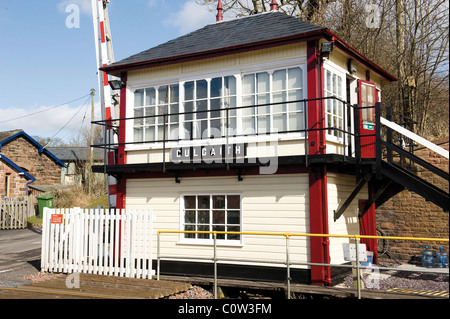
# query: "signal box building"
(263, 123)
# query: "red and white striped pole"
(105, 96)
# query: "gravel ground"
(195, 292)
(403, 280)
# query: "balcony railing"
(341, 126)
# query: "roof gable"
(6, 137)
(16, 167)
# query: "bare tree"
(409, 38)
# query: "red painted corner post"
(121, 182)
(318, 203)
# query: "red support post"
(318, 203)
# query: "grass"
(34, 221)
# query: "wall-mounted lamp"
(325, 49)
(116, 84)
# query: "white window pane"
(149, 111)
(263, 124)
(150, 96)
(216, 87)
(295, 76)
(248, 125)
(263, 80)
(279, 123)
(138, 134)
(189, 91)
(279, 97)
(295, 96)
(174, 93)
(296, 121)
(150, 133)
(248, 101)
(230, 85)
(202, 89)
(248, 84)
(163, 95)
(188, 107)
(139, 98)
(279, 80)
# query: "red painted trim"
(112, 189)
(368, 143)
(121, 193)
(313, 92)
(102, 32)
(318, 195)
(368, 224)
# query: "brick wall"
(17, 183)
(409, 215)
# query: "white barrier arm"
(415, 137)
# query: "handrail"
(287, 262)
(300, 234)
(415, 137)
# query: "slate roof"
(224, 35)
(72, 154)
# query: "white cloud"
(84, 5)
(192, 16)
(70, 118)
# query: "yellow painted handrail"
(357, 237)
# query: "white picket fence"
(97, 241)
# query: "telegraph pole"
(92, 140)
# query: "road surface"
(20, 254)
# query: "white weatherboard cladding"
(274, 203)
(339, 188)
(271, 203)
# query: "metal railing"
(348, 134)
(357, 266)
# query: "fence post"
(288, 268)
(215, 265)
(358, 280)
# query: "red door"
(367, 96)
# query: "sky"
(48, 61)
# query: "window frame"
(209, 241)
(238, 73)
(342, 74)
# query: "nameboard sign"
(207, 153)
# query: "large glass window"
(212, 212)
(207, 99)
(269, 100)
(264, 89)
(148, 104)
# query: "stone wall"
(17, 184)
(409, 215)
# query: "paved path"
(95, 287)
